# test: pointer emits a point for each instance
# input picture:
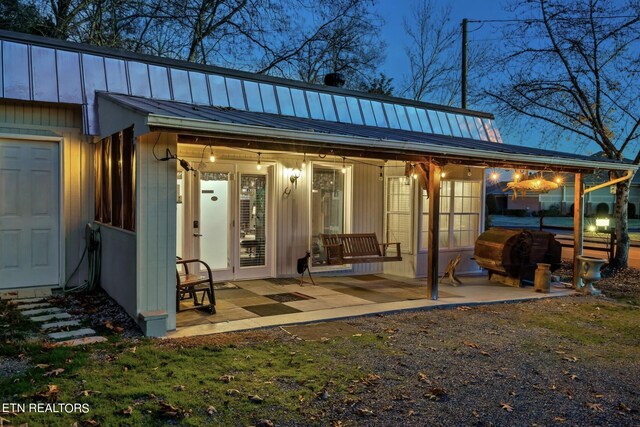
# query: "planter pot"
(589, 272)
(542, 280)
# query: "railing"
(607, 245)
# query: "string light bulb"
(212, 157)
(259, 165)
(494, 176)
(344, 167)
(381, 175)
(558, 180)
(443, 174)
(304, 161)
(517, 176)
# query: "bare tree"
(575, 65)
(431, 52)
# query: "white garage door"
(29, 214)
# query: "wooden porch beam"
(433, 233)
(578, 225)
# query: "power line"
(555, 19)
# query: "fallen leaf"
(622, 407)
(598, 396)
(264, 423)
(52, 389)
(506, 407)
(226, 378)
(436, 393)
(559, 419)
(90, 423)
(471, 344)
(127, 411)
(88, 392)
(118, 329)
(42, 366)
(364, 412)
(211, 410)
(484, 353)
(356, 335)
(180, 387)
(255, 398)
(53, 373)
(133, 349)
(411, 413)
(423, 377)
(463, 308)
(323, 395)
(169, 410)
(233, 392)
(597, 407)
(571, 359)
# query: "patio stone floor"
(272, 302)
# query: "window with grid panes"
(398, 212)
(459, 214)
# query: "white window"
(459, 214)
(398, 212)
(330, 201)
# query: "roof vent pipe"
(334, 79)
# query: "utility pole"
(464, 64)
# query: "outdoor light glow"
(304, 161)
(517, 176)
(212, 157)
(558, 180)
(494, 176)
(258, 166)
(344, 168)
(592, 228)
(443, 174)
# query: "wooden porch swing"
(357, 248)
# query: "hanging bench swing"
(357, 248)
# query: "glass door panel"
(252, 220)
(215, 220)
(179, 214)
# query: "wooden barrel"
(515, 253)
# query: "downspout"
(610, 182)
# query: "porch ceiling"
(224, 126)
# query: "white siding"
(156, 226)
(36, 119)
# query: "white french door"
(227, 220)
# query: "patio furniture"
(189, 285)
(357, 248)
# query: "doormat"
(289, 297)
(225, 285)
(284, 281)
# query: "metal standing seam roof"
(178, 110)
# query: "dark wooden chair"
(357, 248)
(189, 285)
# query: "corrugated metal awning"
(280, 130)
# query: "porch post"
(434, 227)
(578, 226)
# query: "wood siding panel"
(155, 226)
(26, 118)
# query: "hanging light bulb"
(212, 157)
(381, 175)
(558, 180)
(344, 167)
(494, 176)
(443, 174)
(259, 166)
(304, 161)
(468, 171)
(517, 176)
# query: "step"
(29, 300)
(41, 311)
(61, 324)
(71, 334)
(32, 306)
(80, 341)
(54, 316)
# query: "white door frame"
(7, 137)
(191, 243)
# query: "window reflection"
(314, 105)
(378, 112)
(402, 117)
(413, 119)
(268, 98)
(327, 107)
(284, 98)
(254, 102)
(367, 110)
(354, 111)
(218, 91)
(424, 121)
(392, 119)
(236, 97)
(341, 107)
(299, 103)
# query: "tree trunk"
(622, 225)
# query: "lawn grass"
(147, 383)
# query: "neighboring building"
(562, 198)
(102, 137)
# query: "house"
(168, 158)
(601, 201)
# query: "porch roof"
(227, 126)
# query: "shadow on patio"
(253, 304)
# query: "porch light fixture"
(259, 166)
(381, 175)
(494, 176)
(443, 174)
(294, 175)
(344, 167)
(212, 157)
(304, 161)
(468, 171)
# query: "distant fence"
(606, 244)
